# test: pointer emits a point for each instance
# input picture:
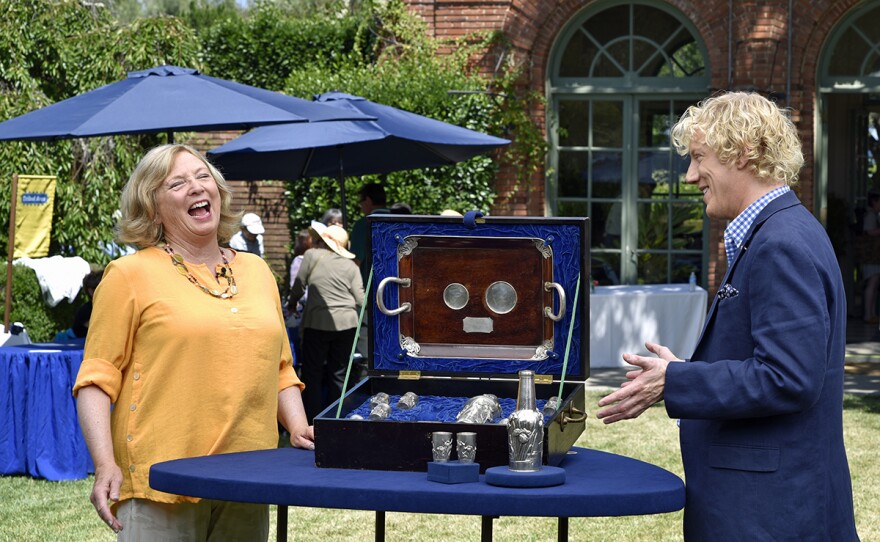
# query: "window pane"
(607, 124)
(609, 24)
(573, 208)
(608, 216)
(653, 225)
(653, 170)
(855, 47)
(687, 61)
(572, 174)
(579, 55)
(652, 268)
(653, 24)
(604, 268)
(685, 264)
(654, 123)
(607, 174)
(574, 123)
(614, 61)
(687, 225)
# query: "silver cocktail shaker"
(525, 428)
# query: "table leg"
(562, 530)
(380, 526)
(281, 524)
(486, 529)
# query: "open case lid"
(474, 297)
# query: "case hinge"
(543, 379)
(409, 375)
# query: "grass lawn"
(37, 510)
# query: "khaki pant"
(207, 520)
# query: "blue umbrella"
(167, 99)
(397, 140)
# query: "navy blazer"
(761, 401)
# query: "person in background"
(187, 340)
(400, 208)
(80, 326)
(332, 216)
(330, 319)
(301, 245)
(372, 201)
(250, 237)
(870, 256)
(760, 403)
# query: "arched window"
(620, 75)
(854, 49)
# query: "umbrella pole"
(342, 189)
(170, 136)
(9, 253)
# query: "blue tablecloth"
(597, 484)
(39, 430)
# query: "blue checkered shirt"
(735, 233)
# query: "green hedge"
(40, 320)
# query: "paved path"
(862, 363)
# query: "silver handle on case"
(380, 291)
(548, 311)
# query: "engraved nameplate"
(477, 325)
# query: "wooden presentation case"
(457, 307)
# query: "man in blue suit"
(761, 402)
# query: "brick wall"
(754, 34)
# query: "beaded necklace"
(225, 272)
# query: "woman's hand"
(303, 437)
(93, 409)
(292, 416)
(108, 478)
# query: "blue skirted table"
(39, 430)
(597, 484)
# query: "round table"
(597, 484)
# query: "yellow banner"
(33, 215)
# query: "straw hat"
(335, 237)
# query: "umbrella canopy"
(167, 99)
(397, 140)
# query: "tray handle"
(380, 291)
(548, 311)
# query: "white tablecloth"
(623, 318)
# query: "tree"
(52, 50)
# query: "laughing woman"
(187, 342)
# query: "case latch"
(409, 375)
(543, 379)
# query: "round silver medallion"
(455, 296)
(500, 297)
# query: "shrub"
(40, 320)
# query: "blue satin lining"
(433, 408)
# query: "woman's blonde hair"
(744, 124)
(138, 226)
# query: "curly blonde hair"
(744, 124)
(137, 225)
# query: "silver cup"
(380, 412)
(441, 446)
(379, 398)
(466, 447)
(407, 401)
(551, 406)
